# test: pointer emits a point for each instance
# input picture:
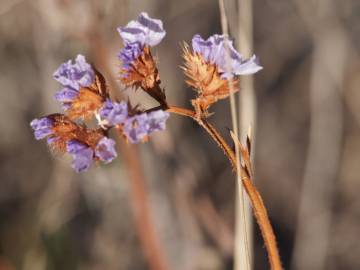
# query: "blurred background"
(307, 150)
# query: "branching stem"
(257, 203)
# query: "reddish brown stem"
(257, 203)
(263, 220)
(144, 224)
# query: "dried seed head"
(142, 72)
(205, 78)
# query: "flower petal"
(82, 155)
(157, 120)
(136, 128)
(114, 112)
(75, 75)
(144, 30)
(105, 150)
(66, 95)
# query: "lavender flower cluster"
(83, 155)
(137, 127)
(82, 95)
(74, 75)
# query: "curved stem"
(210, 130)
(263, 221)
(257, 203)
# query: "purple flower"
(75, 75)
(105, 150)
(139, 126)
(145, 31)
(82, 155)
(157, 120)
(214, 50)
(66, 95)
(136, 128)
(42, 127)
(114, 113)
(129, 53)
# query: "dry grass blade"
(258, 205)
(242, 243)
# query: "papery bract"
(114, 113)
(66, 95)
(42, 127)
(157, 120)
(105, 150)
(136, 128)
(75, 75)
(145, 31)
(129, 53)
(82, 155)
(218, 50)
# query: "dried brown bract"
(142, 73)
(65, 130)
(245, 153)
(85, 104)
(89, 100)
(205, 79)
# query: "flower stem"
(257, 203)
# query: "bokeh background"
(307, 149)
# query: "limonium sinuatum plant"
(211, 66)
(85, 95)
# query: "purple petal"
(129, 53)
(66, 95)
(51, 140)
(249, 66)
(75, 75)
(136, 128)
(218, 50)
(157, 120)
(144, 30)
(42, 133)
(42, 127)
(105, 150)
(41, 123)
(82, 155)
(75, 146)
(82, 160)
(202, 47)
(113, 112)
